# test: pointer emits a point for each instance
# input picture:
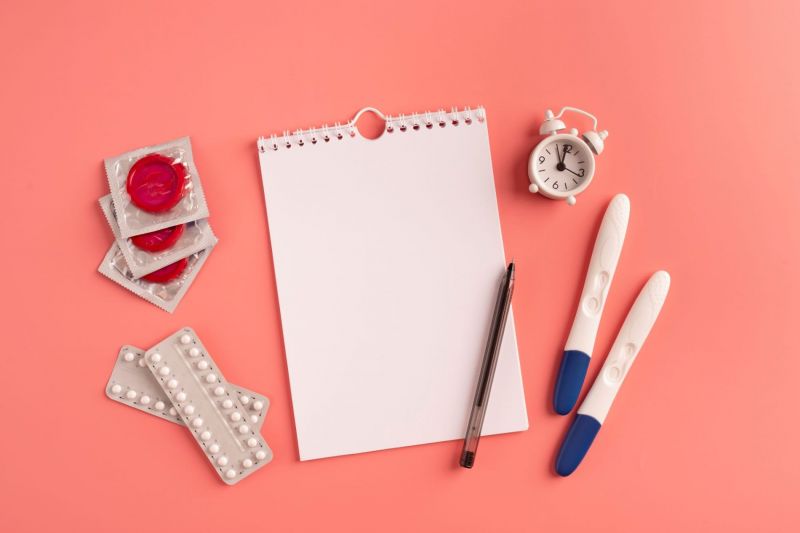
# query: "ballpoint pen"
(487, 369)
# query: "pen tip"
(467, 459)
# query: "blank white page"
(388, 256)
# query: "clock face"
(562, 165)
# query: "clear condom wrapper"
(165, 295)
(196, 236)
(165, 185)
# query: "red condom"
(156, 183)
(169, 272)
(155, 241)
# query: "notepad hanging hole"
(370, 124)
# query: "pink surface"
(701, 102)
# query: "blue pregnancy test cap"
(579, 438)
(571, 374)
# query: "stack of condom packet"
(158, 215)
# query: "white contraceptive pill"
(135, 386)
(204, 388)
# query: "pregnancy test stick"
(594, 409)
(580, 343)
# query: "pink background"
(701, 99)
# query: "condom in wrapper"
(150, 252)
(155, 187)
(164, 287)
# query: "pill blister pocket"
(132, 384)
(208, 405)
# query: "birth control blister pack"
(164, 287)
(155, 187)
(132, 384)
(208, 405)
(147, 253)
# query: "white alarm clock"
(562, 164)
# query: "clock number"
(581, 173)
(555, 185)
(541, 159)
(567, 148)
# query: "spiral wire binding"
(400, 123)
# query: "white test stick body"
(602, 266)
(626, 347)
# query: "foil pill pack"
(132, 384)
(178, 380)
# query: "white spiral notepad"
(388, 256)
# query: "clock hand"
(560, 166)
(565, 168)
